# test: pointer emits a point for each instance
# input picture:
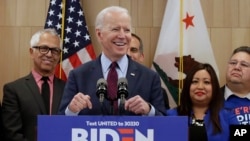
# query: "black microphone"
(101, 89)
(122, 92)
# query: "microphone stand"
(102, 108)
(121, 108)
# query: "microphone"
(122, 92)
(101, 89)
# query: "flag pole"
(62, 36)
(180, 86)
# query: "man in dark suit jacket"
(113, 30)
(135, 51)
(22, 99)
(1, 124)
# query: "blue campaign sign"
(112, 128)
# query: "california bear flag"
(182, 43)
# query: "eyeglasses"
(46, 49)
(243, 64)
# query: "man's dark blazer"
(1, 124)
(141, 81)
(165, 96)
(22, 102)
(222, 89)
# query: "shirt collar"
(122, 63)
(38, 77)
(228, 93)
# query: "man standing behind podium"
(113, 31)
(135, 51)
(22, 98)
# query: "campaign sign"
(112, 128)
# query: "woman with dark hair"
(202, 101)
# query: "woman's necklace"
(197, 122)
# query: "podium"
(112, 128)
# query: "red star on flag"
(188, 20)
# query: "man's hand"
(137, 105)
(80, 101)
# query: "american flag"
(69, 22)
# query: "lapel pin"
(132, 74)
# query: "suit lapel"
(34, 90)
(97, 69)
(132, 76)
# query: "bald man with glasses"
(23, 99)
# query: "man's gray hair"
(36, 37)
(100, 17)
